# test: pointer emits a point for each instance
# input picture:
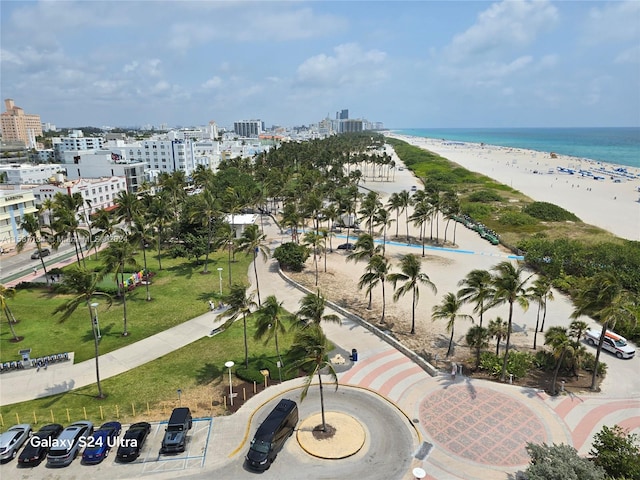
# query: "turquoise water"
(612, 145)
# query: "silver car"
(13, 439)
(67, 446)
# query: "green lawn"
(197, 370)
(179, 292)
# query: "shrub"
(589, 361)
(544, 360)
(485, 196)
(617, 451)
(560, 462)
(178, 251)
(478, 211)
(516, 219)
(549, 212)
(291, 256)
(518, 364)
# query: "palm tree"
(269, 322)
(240, 304)
(30, 225)
(383, 218)
(106, 223)
(476, 288)
(206, 210)
(141, 232)
(577, 329)
(312, 310)
(127, 207)
(603, 298)
(377, 272)
(477, 338)
(314, 240)
(364, 249)
(116, 256)
(5, 294)
(412, 277)
(448, 310)
(160, 216)
(561, 345)
(498, 329)
(85, 284)
(509, 288)
(253, 242)
(404, 201)
(313, 342)
(540, 292)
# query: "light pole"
(180, 397)
(96, 324)
(220, 277)
(229, 365)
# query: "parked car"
(101, 442)
(346, 246)
(175, 435)
(132, 442)
(38, 445)
(12, 440)
(66, 447)
(44, 252)
(271, 435)
(414, 188)
(612, 343)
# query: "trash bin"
(354, 355)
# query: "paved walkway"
(477, 429)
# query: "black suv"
(175, 435)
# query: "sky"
(416, 64)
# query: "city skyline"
(406, 64)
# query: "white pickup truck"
(613, 343)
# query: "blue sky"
(408, 64)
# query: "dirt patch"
(323, 434)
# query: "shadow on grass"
(186, 269)
(209, 373)
(105, 331)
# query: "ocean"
(619, 146)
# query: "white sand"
(612, 206)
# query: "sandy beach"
(612, 202)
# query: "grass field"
(179, 292)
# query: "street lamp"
(96, 324)
(229, 365)
(220, 277)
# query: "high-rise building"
(19, 126)
(248, 128)
(343, 114)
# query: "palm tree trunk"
(96, 353)
(13, 332)
(413, 313)
(498, 338)
(594, 376)
(124, 302)
(554, 390)
(503, 374)
(535, 332)
(406, 221)
(450, 343)
(384, 303)
(275, 325)
(159, 242)
(324, 422)
(246, 344)
(146, 271)
(544, 315)
(255, 271)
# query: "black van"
(271, 434)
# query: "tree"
(30, 225)
(116, 256)
(617, 452)
(313, 342)
(448, 310)
(160, 217)
(269, 322)
(560, 462)
(477, 338)
(509, 288)
(206, 210)
(412, 277)
(498, 329)
(5, 294)
(240, 304)
(383, 218)
(560, 344)
(314, 240)
(377, 271)
(603, 297)
(577, 329)
(540, 292)
(291, 256)
(477, 288)
(141, 232)
(127, 207)
(364, 249)
(312, 310)
(85, 285)
(253, 242)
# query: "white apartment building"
(162, 155)
(248, 128)
(104, 163)
(19, 174)
(97, 192)
(14, 205)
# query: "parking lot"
(149, 462)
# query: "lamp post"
(180, 397)
(229, 365)
(220, 277)
(96, 324)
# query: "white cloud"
(130, 67)
(614, 22)
(213, 82)
(349, 65)
(501, 28)
(630, 55)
